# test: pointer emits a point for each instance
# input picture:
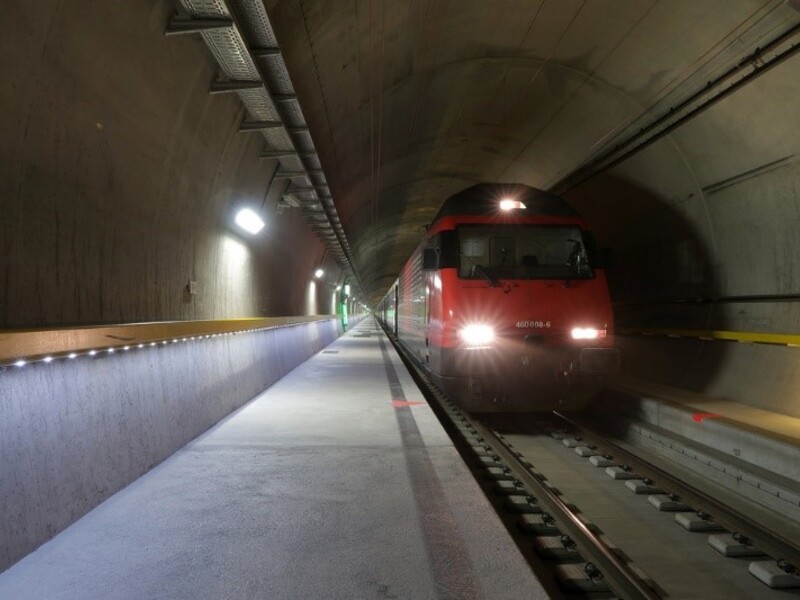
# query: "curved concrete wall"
(712, 211)
(120, 176)
(72, 433)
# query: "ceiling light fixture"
(249, 221)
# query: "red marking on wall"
(401, 403)
(700, 417)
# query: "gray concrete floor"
(321, 487)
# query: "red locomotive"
(505, 302)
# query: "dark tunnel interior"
(133, 134)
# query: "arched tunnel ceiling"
(408, 102)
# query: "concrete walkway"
(767, 422)
(334, 483)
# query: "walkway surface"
(337, 482)
(769, 423)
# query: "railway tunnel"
(133, 134)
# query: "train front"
(520, 320)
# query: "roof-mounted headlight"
(507, 204)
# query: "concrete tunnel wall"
(712, 211)
(119, 179)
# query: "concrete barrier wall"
(74, 432)
(745, 444)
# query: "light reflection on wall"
(333, 303)
(234, 283)
(235, 255)
(311, 298)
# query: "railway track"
(598, 519)
(688, 544)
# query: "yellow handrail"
(745, 337)
(18, 346)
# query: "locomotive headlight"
(587, 333)
(507, 204)
(475, 336)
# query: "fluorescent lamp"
(249, 221)
(319, 273)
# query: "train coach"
(505, 303)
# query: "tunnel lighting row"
(250, 222)
(116, 349)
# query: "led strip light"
(19, 348)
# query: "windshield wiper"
(481, 271)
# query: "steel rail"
(622, 579)
(770, 542)
(30, 345)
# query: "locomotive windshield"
(495, 252)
